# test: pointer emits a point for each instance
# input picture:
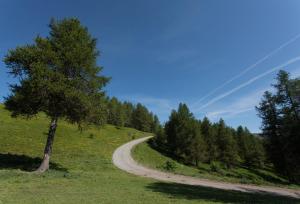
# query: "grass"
(82, 171)
(148, 156)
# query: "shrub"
(170, 166)
(215, 167)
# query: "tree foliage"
(194, 141)
(127, 114)
(281, 125)
(58, 75)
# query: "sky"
(216, 56)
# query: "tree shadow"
(25, 163)
(181, 191)
(164, 150)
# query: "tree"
(184, 137)
(160, 139)
(141, 118)
(254, 153)
(241, 141)
(116, 114)
(177, 130)
(281, 125)
(198, 147)
(128, 110)
(155, 125)
(210, 139)
(250, 148)
(58, 75)
(226, 145)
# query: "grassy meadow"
(82, 171)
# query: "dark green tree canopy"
(194, 141)
(58, 75)
(280, 112)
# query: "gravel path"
(123, 160)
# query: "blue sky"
(216, 56)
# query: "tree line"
(194, 141)
(127, 114)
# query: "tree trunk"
(48, 148)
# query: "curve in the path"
(123, 160)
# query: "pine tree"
(58, 75)
(116, 114)
(178, 133)
(254, 153)
(242, 141)
(210, 139)
(198, 145)
(160, 139)
(128, 111)
(155, 125)
(141, 118)
(281, 125)
(226, 145)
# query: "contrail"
(291, 61)
(249, 68)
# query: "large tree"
(184, 137)
(59, 76)
(280, 114)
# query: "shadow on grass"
(25, 163)
(181, 191)
(164, 150)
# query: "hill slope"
(147, 155)
(81, 169)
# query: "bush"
(170, 166)
(215, 167)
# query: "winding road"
(123, 160)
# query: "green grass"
(148, 156)
(82, 171)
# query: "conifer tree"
(128, 110)
(209, 136)
(141, 118)
(116, 114)
(198, 146)
(226, 145)
(281, 125)
(58, 75)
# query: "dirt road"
(123, 160)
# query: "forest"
(194, 141)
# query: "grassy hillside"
(150, 157)
(82, 171)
